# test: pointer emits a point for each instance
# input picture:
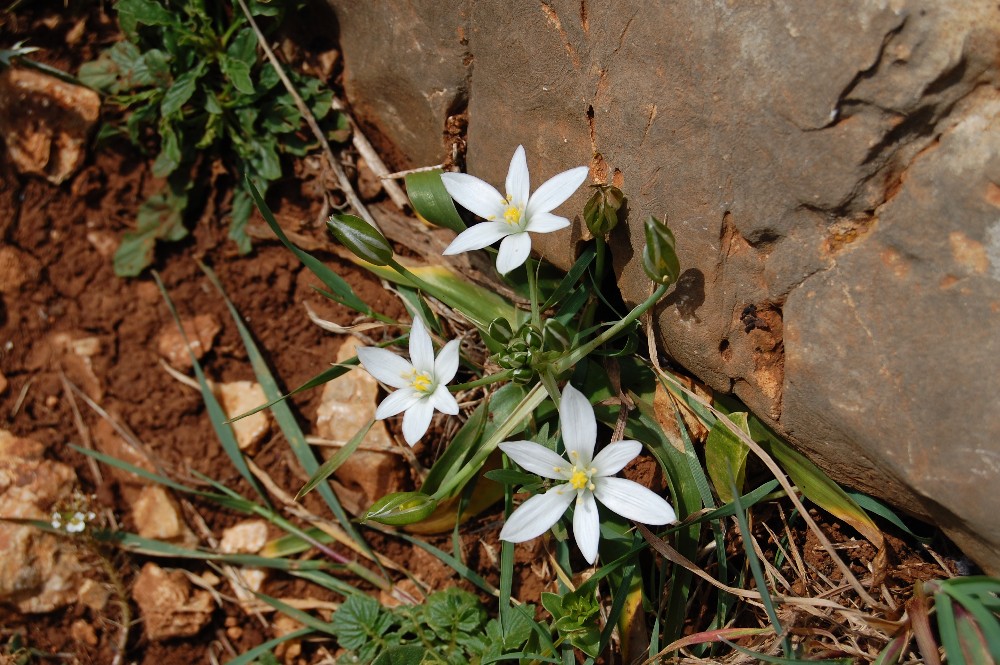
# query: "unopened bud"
(361, 238)
(603, 210)
(659, 257)
(400, 508)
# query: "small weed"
(193, 87)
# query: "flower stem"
(536, 319)
(581, 352)
(516, 420)
(484, 381)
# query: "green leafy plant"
(449, 627)
(194, 89)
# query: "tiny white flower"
(56, 521)
(585, 478)
(76, 524)
(510, 218)
(421, 381)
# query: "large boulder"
(836, 168)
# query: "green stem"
(534, 397)
(600, 248)
(484, 381)
(417, 282)
(577, 354)
(536, 319)
(551, 385)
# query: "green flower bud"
(602, 212)
(659, 257)
(361, 238)
(500, 330)
(523, 375)
(555, 336)
(401, 508)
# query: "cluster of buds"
(604, 210)
(530, 348)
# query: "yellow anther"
(419, 381)
(579, 480)
(512, 215)
(557, 469)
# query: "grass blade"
(216, 414)
(334, 462)
(248, 657)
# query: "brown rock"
(107, 441)
(237, 398)
(348, 403)
(45, 122)
(39, 572)
(200, 331)
(246, 537)
(83, 631)
(170, 606)
(17, 268)
(157, 516)
(835, 169)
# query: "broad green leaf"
(431, 201)
(180, 92)
(146, 12)
(238, 73)
(240, 214)
(402, 654)
(170, 152)
(726, 457)
(243, 47)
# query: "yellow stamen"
(512, 215)
(419, 381)
(579, 479)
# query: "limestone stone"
(157, 516)
(45, 122)
(238, 397)
(348, 403)
(170, 606)
(39, 572)
(836, 169)
(200, 331)
(247, 537)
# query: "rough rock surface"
(45, 122)
(170, 606)
(838, 170)
(39, 572)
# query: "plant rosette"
(584, 478)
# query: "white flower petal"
(475, 195)
(447, 362)
(537, 459)
(385, 366)
(416, 420)
(397, 402)
(514, 251)
(579, 427)
(477, 237)
(633, 501)
(546, 222)
(518, 183)
(443, 401)
(421, 348)
(614, 457)
(554, 192)
(536, 515)
(586, 526)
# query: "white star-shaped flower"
(584, 479)
(421, 381)
(510, 218)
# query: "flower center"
(419, 381)
(512, 215)
(579, 479)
